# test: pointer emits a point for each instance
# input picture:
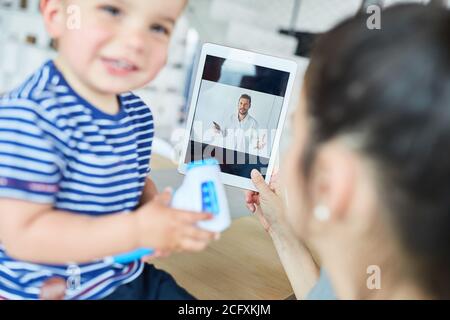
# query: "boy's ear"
(54, 16)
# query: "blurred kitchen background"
(266, 26)
(282, 28)
(278, 27)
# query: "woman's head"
(372, 153)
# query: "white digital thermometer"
(201, 191)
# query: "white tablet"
(237, 112)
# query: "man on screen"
(241, 130)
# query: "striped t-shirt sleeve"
(30, 166)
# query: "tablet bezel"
(249, 57)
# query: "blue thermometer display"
(209, 198)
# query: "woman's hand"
(267, 203)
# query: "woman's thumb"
(259, 182)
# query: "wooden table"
(242, 265)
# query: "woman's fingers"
(273, 187)
(250, 195)
(251, 207)
(275, 176)
(251, 200)
(256, 199)
(262, 219)
(259, 182)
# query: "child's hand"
(149, 192)
(167, 230)
(158, 254)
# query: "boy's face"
(113, 46)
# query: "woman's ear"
(333, 181)
(54, 17)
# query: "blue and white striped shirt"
(56, 148)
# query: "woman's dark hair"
(392, 88)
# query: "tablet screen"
(237, 113)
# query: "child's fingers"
(199, 234)
(190, 244)
(164, 254)
(194, 217)
(164, 197)
(149, 258)
(156, 255)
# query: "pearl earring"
(322, 213)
